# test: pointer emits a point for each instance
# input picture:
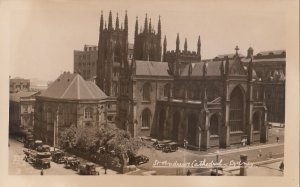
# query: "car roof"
(90, 164)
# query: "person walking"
(105, 168)
(42, 172)
(259, 154)
(281, 166)
(188, 173)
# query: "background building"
(270, 68)
(70, 100)
(21, 111)
(18, 84)
(85, 62)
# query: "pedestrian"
(188, 173)
(259, 154)
(277, 139)
(42, 172)
(281, 166)
(105, 168)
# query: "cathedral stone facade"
(178, 96)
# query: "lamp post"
(56, 128)
(185, 142)
(217, 155)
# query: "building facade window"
(167, 90)
(147, 92)
(88, 113)
(214, 125)
(146, 118)
(236, 110)
(49, 116)
(25, 108)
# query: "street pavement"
(256, 152)
(18, 166)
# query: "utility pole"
(217, 162)
(56, 128)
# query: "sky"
(44, 34)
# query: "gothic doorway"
(176, 121)
(256, 121)
(161, 123)
(236, 112)
(192, 129)
(214, 125)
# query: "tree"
(67, 138)
(114, 141)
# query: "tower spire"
(237, 50)
(117, 22)
(250, 69)
(159, 28)
(185, 45)
(177, 43)
(101, 21)
(150, 27)
(110, 21)
(164, 48)
(126, 23)
(146, 25)
(136, 31)
(199, 47)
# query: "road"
(229, 156)
(18, 166)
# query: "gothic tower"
(147, 43)
(112, 54)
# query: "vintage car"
(88, 169)
(138, 160)
(68, 161)
(170, 147)
(71, 163)
(58, 156)
(29, 142)
(42, 160)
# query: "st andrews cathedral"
(176, 95)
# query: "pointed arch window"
(147, 92)
(236, 111)
(146, 118)
(167, 90)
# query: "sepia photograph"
(151, 88)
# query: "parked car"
(88, 169)
(170, 147)
(58, 156)
(69, 162)
(42, 160)
(138, 160)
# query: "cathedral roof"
(73, 87)
(213, 68)
(274, 52)
(230, 56)
(151, 68)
